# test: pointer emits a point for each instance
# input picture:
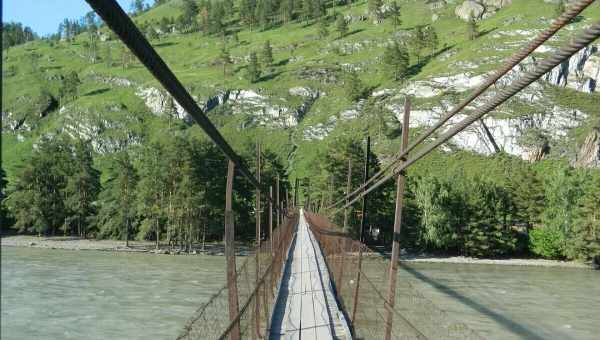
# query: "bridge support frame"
(232, 292)
(400, 185)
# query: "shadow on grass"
(350, 33)
(416, 68)
(97, 91)
(522, 331)
(269, 76)
(165, 44)
(282, 62)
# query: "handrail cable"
(579, 42)
(572, 12)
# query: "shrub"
(547, 242)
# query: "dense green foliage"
(15, 34)
(174, 191)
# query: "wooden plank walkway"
(306, 307)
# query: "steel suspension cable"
(115, 18)
(573, 10)
(579, 42)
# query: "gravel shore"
(507, 262)
(74, 243)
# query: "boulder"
(496, 4)
(469, 9)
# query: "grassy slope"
(191, 58)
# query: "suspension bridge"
(310, 279)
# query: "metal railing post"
(232, 292)
(277, 201)
(258, 241)
(400, 184)
(271, 219)
(363, 221)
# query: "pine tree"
(108, 60)
(585, 243)
(4, 220)
(560, 8)
(253, 68)
(263, 13)
(431, 39)
(164, 25)
(68, 87)
(375, 9)
(323, 31)
(82, 188)
(151, 33)
(225, 59)
(342, 26)
(151, 191)
(118, 197)
(247, 12)
(395, 15)
(306, 10)
(396, 57)
(472, 30)
(355, 89)
(267, 54)
(287, 10)
(418, 42)
(37, 201)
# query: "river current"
(61, 294)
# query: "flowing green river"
(60, 294)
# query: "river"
(62, 294)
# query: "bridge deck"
(306, 307)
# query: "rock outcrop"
(589, 153)
(469, 9)
(479, 9)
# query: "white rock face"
(556, 123)
(469, 9)
(589, 154)
(579, 73)
(158, 103)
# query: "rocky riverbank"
(508, 262)
(75, 243)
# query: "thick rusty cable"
(573, 11)
(582, 40)
(118, 21)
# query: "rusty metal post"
(363, 221)
(287, 200)
(277, 200)
(271, 219)
(348, 187)
(296, 193)
(232, 292)
(258, 241)
(400, 184)
(343, 245)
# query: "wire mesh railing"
(257, 280)
(360, 276)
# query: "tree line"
(472, 205)
(169, 191)
(14, 33)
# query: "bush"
(547, 242)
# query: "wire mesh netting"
(361, 282)
(257, 280)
